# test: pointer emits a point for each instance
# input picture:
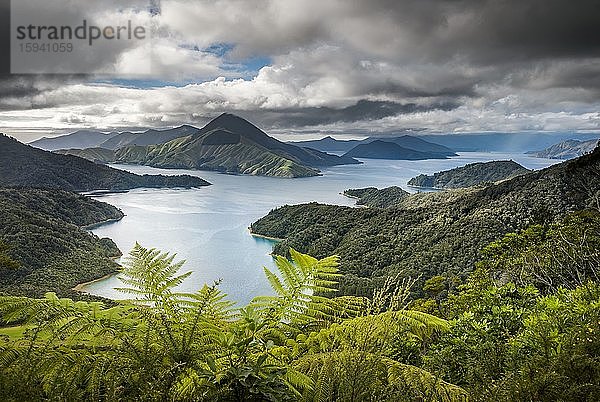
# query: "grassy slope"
(239, 158)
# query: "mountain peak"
(236, 124)
(223, 117)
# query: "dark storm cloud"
(466, 87)
(315, 116)
(445, 65)
(17, 87)
(486, 31)
(561, 75)
(19, 91)
(505, 31)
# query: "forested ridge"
(43, 237)
(373, 197)
(430, 234)
(23, 165)
(470, 175)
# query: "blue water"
(208, 226)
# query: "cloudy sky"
(305, 68)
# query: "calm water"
(208, 226)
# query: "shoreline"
(275, 239)
(318, 174)
(349, 196)
(101, 223)
(81, 286)
(427, 188)
(353, 197)
(99, 193)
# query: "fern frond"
(297, 285)
(432, 387)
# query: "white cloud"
(335, 53)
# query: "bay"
(208, 227)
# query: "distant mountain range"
(79, 139)
(470, 175)
(468, 142)
(447, 143)
(502, 142)
(227, 144)
(149, 137)
(388, 150)
(567, 149)
(84, 139)
(25, 166)
(329, 144)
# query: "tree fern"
(152, 275)
(297, 289)
(169, 345)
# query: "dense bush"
(433, 234)
(511, 344)
(23, 165)
(42, 230)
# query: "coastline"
(427, 188)
(81, 286)
(99, 193)
(104, 222)
(353, 197)
(275, 239)
(349, 196)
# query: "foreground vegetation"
(167, 345)
(524, 326)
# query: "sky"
(347, 68)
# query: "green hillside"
(470, 175)
(23, 165)
(373, 197)
(242, 157)
(430, 234)
(42, 230)
(96, 155)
